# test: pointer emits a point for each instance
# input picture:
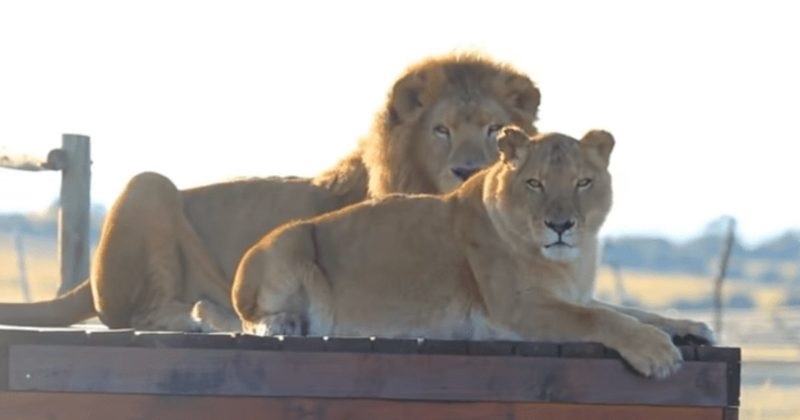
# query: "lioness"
(510, 254)
(162, 250)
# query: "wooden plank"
(350, 344)
(30, 406)
(254, 342)
(184, 340)
(583, 350)
(491, 348)
(730, 413)
(73, 217)
(734, 383)
(358, 344)
(688, 352)
(395, 345)
(357, 375)
(118, 337)
(443, 347)
(24, 335)
(731, 355)
(56, 161)
(719, 354)
(295, 343)
(21, 162)
(537, 349)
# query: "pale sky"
(701, 96)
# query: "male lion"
(510, 254)
(162, 250)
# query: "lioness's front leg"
(649, 350)
(267, 294)
(673, 327)
(278, 288)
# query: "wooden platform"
(73, 374)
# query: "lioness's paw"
(200, 312)
(212, 318)
(183, 323)
(687, 328)
(201, 327)
(650, 352)
(283, 323)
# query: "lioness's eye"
(584, 182)
(442, 131)
(493, 129)
(534, 184)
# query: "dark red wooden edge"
(732, 356)
(233, 372)
(730, 413)
(130, 338)
(88, 406)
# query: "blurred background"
(701, 96)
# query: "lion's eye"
(584, 183)
(492, 130)
(442, 131)
(534, 184)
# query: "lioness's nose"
(560, 226)
(464, 172)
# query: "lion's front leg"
(673, 327)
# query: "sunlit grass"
(770, 402)
(658, 290)
(653, 289)
(41, 261)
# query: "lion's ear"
(412, 93)
(522, 95)
(600, 143)
(513, 144)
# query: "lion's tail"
(72, 307)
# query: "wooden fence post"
(73, 217)
(719, 280)
(19, 244)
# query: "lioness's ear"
(412, 93)
(522, 95)
(513, 144)
(600, 143)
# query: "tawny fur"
(482, 262)
(165, 252)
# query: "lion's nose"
(464, 172)
(560, 226)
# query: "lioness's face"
(558, 188)
(459, 139)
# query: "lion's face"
(458, 138)
(441, 120)
(555, 191)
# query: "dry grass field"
(41, 264)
